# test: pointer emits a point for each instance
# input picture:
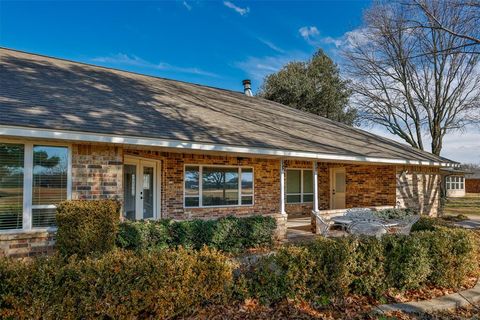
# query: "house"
(454, 182)
(170, 149)
(472, 181)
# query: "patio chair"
(322, 225)
(404, 226)
(369, 228)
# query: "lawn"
(469, 205)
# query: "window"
(299, 185)
(455, 183)
(11, 186)
(209, 186)
(33, 180)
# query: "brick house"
(169, 149)
(472, 182)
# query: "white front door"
(140, 183)
(338, 188)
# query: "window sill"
(221, 206)
(309, 202)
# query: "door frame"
(157, 185)
(332, 185)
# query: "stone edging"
(463, 298)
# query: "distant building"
(472, 182)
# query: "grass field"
(469, 205)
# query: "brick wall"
(472, 185)
(366, 185)
(266, 184)
(27, 244)
(419, 188)
(97, 172)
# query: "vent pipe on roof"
(247, 89)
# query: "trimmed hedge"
(366, 266)
(87, 227)
(228, 234)
(119, 285)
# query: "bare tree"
(410, 80)
(467, 29)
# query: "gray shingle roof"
(43, 92)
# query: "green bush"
(141, 235)
(453, 253)
(281, 275)
(228, 234)
(87, 227)
(334, 261)
(394, 213)
(118, 285)
(368, 272)
(407, 261)
(428, 224)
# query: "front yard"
(468, 205)
(105, 268)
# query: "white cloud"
(309, 33)
(239, 10)
(186, 5)
(259, 67)
(271, 45)
(122, 59)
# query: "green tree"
(314, 86)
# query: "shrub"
(140, 235)
(334, 259)
(120, 284)
(453, 255)
(228, 234)
(282, 275)
(258, 231)
(87, 227)
(407, 261)
(368, 272)
(394, 213)
(428, 224)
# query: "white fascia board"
(37, 133)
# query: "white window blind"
(49, 183)
(33, 180)
(11, 186)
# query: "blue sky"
(216, 43)
(209, 42)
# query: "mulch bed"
(289, 310)
(429, 292)
(353, 307)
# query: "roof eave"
(38, 133)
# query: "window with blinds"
(49, 183)
(11, 186)
(33, 180)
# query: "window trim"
(28, 183)
(200, 186)
(452, 181)
(301, 194)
